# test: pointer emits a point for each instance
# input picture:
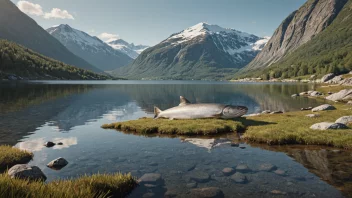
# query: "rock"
(266, 112)
(192, 185)
(323, 107)
(344, 120)
(306, 108)
(242, 147)
(49, 144)
(209, 192)
(349, 102)
(280, 172)
(170, 194)
(295, 95)
(277, 192)
(303, 93)
(276, 112)
(313, 76)
(346, 82)
(228, 171)
(315, 93)
(309, 92)
(24, 171)
(148, 195)
(150, 185)
(313, 115)
(153, 164)
(335, 80)
(327, 77)
(345, 94)
(235, 144)
(239, 178)
(150, 178)
(328, 125)
(243, 168)
(60, 143)
(200, 177)
(267, 167)
(58, 163)
(252, 114)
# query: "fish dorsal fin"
(157, 111)
(183, 101)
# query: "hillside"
(18, 62)
(89, 48)
(298, 29)
(18, 27)
(203, 51)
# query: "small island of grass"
(10, 156)
(177, 127)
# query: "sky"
(150, 21)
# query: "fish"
(188, 110)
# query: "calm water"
(73, 111)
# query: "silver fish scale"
(193, 111)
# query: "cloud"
(37, 10)
(57, 13)
(108, 37)
(30, 8)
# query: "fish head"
(230, 111)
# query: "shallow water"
(73, 111)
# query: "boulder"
(239, 178)
(344, 120)
(60, 143)
(328, 125)
(345, 94)
(335, 80)
(315, 93)
(313, 115)
(58, 163)
(49, 144)
(323, 107)
(349, 102)
(346, 82)
(295, 95)
(313, 76)
(266, 112)
(209, 192)
(327, 77)
(303, 93)
(24, 171)
(150, 178)
(309, 92)
(228, 171)
(267, 167)
(243, 168)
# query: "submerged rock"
(58, 163)
(344, 120)
(327, 77)
(49, 144)
(192, 185)
(200, 177)
(323, 107)
(345, 94)
(209, 192)
(328, 125)
(277, 192)
(280, 172)
(239, 178)
(24, 171)
(243, 168)
(313, 115)
(148, 195)
(228, 171)
(151, 178)
(267, 167)
(170, 193)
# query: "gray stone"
(24, 171)
(266, 112)
(209, 192)
(170, 193)
(60, 143)
(200, 177)
(303, 93)
(280, 172)
(150, 178)
(328, 125)
(277, 192)
(315, 93)
(306, 108)
(267, 167)
(313, 115)
(58, 163)
(192, 185)
(243, 168)
(327, 77)
(323, 107)
(49, 144)
(349, 102)
(239, 178)
(345, 94)
(346, 82)
(228, 171)
(335, 80)
(344, 120)
(295, 95)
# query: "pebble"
(49, 144)
(192, 185)
(200, 177)
(267, 167)
(243, 168)
(228, 171)
(280, 172)
(239, 178)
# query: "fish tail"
(157, 111)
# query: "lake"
(72, 112)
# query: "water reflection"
(38, 143)
(208, 143)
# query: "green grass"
(324, 88)
(177, 127)
(293, 128)
(95, 186)
(10, 156)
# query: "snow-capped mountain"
(128, 48)
(202, 51)
(89, 48)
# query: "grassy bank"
(99, 185)
(10, 156)
(177, 127)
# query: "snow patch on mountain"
(128, 48)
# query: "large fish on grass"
(187, 110)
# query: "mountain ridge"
(130, 49)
